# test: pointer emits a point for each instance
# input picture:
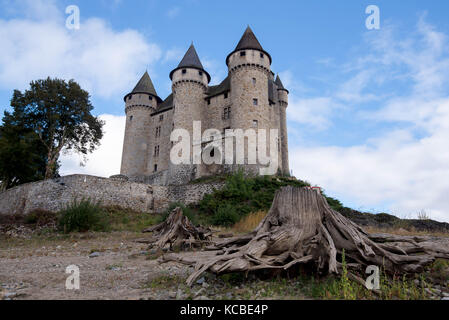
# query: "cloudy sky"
(368, 117)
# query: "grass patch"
(82, 216)
(164, 282)
(128, 220)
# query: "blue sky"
(368, 117)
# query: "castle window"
(200, 73)
(150, 97)
(242, 53)
(130, 96)
(226, 113)
(254, 81)
(161, 117)
(255, 123)
(208, 101)
(255, 102)
(156, 151)
(226, 95)
(155, 168)
(184, 71)
(130, 118)
(158, 132)
(261, 55)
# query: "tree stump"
(178, 231)
(301, 228)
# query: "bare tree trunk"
(301, 228)
(50, 169)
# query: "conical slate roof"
(191, 60)
(145, 85)
(248, 41)
(279, 84)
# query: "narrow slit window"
(226, 113)
(255, 102)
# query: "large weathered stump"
(301, 228)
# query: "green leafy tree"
(59, 112)
(22, 155)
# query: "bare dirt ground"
(36, 269)
(115, 266)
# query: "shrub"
(40, 217)
(82, 216)
(242, 195)
(334, 204)
(225, 216)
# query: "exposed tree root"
(301, 228)
(179, 232)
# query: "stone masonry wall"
(54, 195)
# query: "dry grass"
(405, 232)
(249, 223)
(252, 220)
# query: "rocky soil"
(115, 265)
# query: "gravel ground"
(111, 267)
(115, 266)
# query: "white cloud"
(173, 55)
(409, 174)
(106, 160)
(101, 59)
(173, 12)
(404, 169)
(313, 112)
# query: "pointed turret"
(279, 84)
(190, 60)
(248, 41)
(145, 85)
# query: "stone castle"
(248, 98)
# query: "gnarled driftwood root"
(301, 228)
(179, 232)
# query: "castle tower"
(139, 104)
(189, 85)
(283, 103)
(249, 71)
